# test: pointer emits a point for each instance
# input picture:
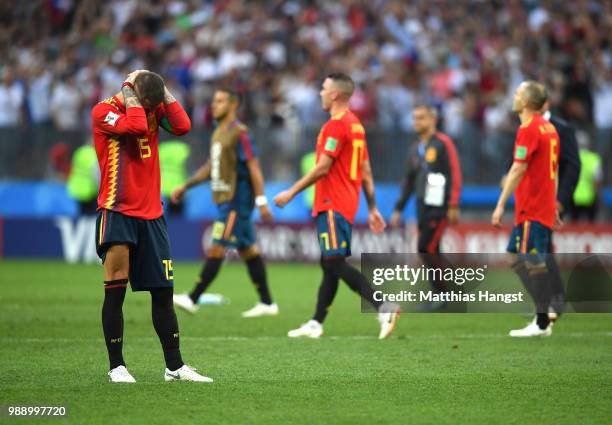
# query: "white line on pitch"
(334, 338)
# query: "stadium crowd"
(466, 57)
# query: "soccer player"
(237, 185)
(534, 177)
(342, 167)
(569, 170)
(131, 236)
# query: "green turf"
(436, 369)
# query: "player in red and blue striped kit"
(342, 169)
(533, 178)
(131, 236)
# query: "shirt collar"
(546, 115)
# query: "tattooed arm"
(168, 97)
(110, 119)
(176, 121)
(129, 98)
(129, 94)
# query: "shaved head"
(343, 83)
(337, 88)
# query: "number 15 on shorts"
(168, 268)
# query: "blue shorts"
(150, 261)
(234, 226)
(334, 234)
(529, 238)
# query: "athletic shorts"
(334, 234)
(234, 226)
(150, 261)
(531, 240)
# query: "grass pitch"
(438, 369)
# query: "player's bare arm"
(396, 219)
(130, 98)
(321, 169)
(375, 220)
(453, 215)
(257, 180)
(517, 171)
(111, 120)
(200, 176)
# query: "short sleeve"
(334, 138)
(526, 143)
(246, 147)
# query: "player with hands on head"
(131, 234)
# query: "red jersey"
(537, 144)
(126, 146)
(342, 138)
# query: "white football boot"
(261, 310)
(184, 301)
(532, 329)
(388, 316)
(311, 329)
(120, 374)
(185, 373)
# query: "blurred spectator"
(587, 194)
(363, 103)
(84, 178)
(173, 156)
(500, 130)
(302, 94)
(59, 162)
(66, 102)
(11, 101)
(39, 94)
(395, 101)
(460, 55)
(307, 163)
(603, 113)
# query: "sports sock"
(327, 293)
(354, 279)
(112, 320)
(538, 285)
(166, 326)
(520, 268)
(541, 282)
(542, 320)
(208, 274)
(257, 272)
(556, 285)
